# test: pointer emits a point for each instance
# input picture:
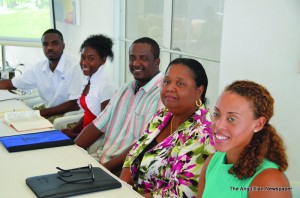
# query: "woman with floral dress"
(166, 161)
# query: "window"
(23, 20)
(197, 27)
(182, 28)
(1, 60)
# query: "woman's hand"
(126, 176)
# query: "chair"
(68, 118)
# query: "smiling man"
(58, 78)
(130, 109)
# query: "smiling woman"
(98, 87)
(251, 156)
(167, 159)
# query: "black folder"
(30, 141)
(50, 186)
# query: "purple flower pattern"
(172, 167)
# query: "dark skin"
(6, 84)
(53, 47)
(65, 107)
(90, 62)
(178, 94)
(142, 64)
(143, 67)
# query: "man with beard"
(110, 136)
(58, 78)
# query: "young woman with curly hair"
(251, 155)
(98, 87)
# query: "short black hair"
(55, 31)
(101, 43)
(198, 71)
(154, 45)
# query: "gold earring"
(198, 102)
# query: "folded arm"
(73, 132)
(88, 136)
(6, 84)
(116, 163)
(70, 105)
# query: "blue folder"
(31, 141)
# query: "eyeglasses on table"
(66, 175)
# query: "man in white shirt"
(58, 79)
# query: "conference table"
(16, 167)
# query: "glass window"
(144, 18)
(24, 19)
(197, 27)
(182, 28)
(1, 60)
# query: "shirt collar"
(97, 75)
(60, 66)
(156, 80)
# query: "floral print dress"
(172, 167)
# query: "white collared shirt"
(56, 87)
(102, 88)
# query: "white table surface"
(12, 105)
(16, 167)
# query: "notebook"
(50, 186)
(30, 141)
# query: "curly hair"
(101, 43)
(265, 143)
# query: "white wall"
(96, 17)
(261, 42)
(23, 55)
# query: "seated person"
(58, 79)
(166, 161)
(99, 87)
(250, 154)
(121, 123)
